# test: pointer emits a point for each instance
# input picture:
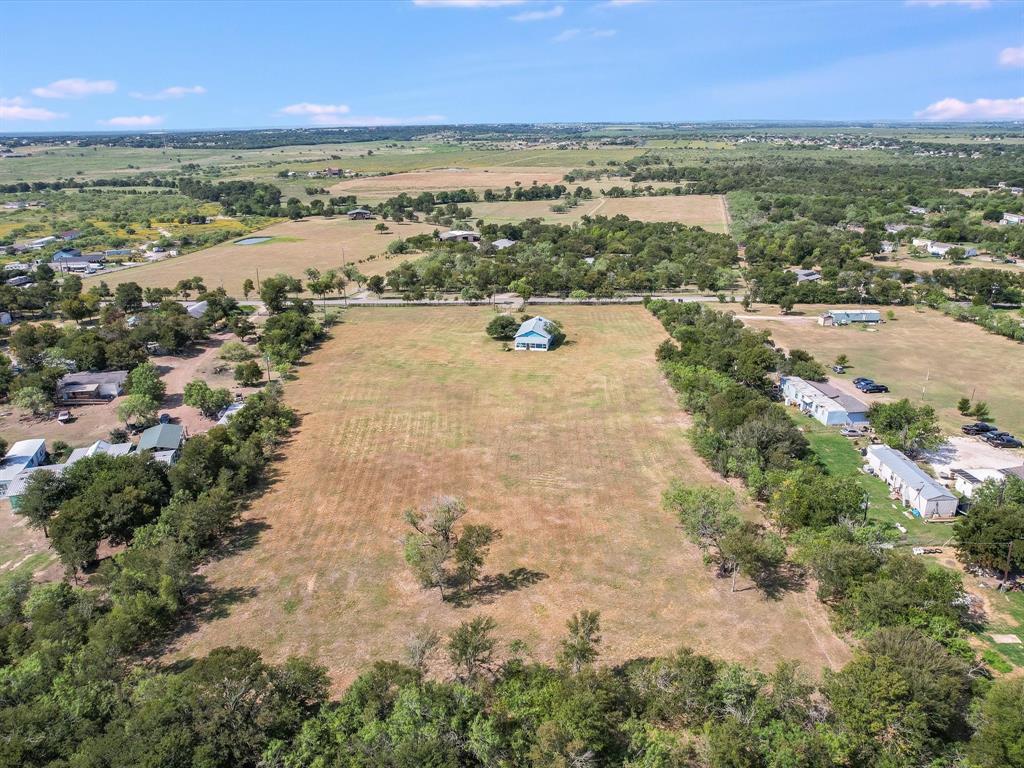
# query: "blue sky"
(130, 66)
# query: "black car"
(874, 389)
(1002, 440)
(977, 428)
(860, 381)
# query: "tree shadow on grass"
(779, 582)
(206, 603)
(489, 588)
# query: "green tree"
(247, 287)
(753, 551)
(807, 497)
(522, 289)
(137, 409)
(903, 426)
(842, 360)
(144, 379)
(707, 515)
(981, 411)
(44, 493)
(376, 284)
(471, 647)
(998, 723)
(32, 399)
(275, 291)
(128, 297)
(502, 327)
(199, 394)
(580, 648)
(964, 406)
(248, 373)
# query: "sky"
(99, 66)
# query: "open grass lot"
(903, 260)
(707, 211)
(381, 187)
(512, 212)
(314, 242)
(922, 355)
(566, 452)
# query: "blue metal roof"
(535, 325)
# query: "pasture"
(376, 188)
(707, 211)
(294, 246)
(922, 355)
(566, 452)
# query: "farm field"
(922, 355)
(566, 452)
(707, 211)
(296, 245)
(375, 188)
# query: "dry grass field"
(381, 187)
(922, 355)
(707, 211)
(315, 242)
(566, 452)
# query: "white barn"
(926, 498)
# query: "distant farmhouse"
(533, 335)
(90, 387)
(935, 248)
(359, 214)
(503, 243)
(459, 236)
(1012, 218)
(847, 316)
(823, 402)
(806, 275)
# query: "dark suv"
(874, 389)
(977, 428)
(1002, 440)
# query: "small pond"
(252, 240)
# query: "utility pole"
(1006, 571)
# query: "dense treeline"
(599, 256)
(237, 197)
(147, 179)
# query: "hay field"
(314, 242)
(566, 452)
(707, 211)
(922, 355)
(376, 188)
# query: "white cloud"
(466, 3)
(979, 109)
(974, 5)
(1012, 57)
(552, 13)
(74, 88)
(173, 92)
(575, 33)
(133, 121)
(315, 110)
(17, 109)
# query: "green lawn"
(842, 457)
(1012, 604)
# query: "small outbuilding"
(90, 387)
(533, 335)
(459, 236)
(359, 214)
(503, 243)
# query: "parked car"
(874, 389)
(1002, 440)
(977, 428)
(65, 417)
(165, 418)
(839, 368)
(852, 432)
(860, 381)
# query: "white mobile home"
(910, 484)
(847, 316)
(823, 402)
(23, 455)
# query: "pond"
(252, 240)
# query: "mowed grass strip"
(566, 452)
(922, 355)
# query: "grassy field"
(707, 211)
(922, 355)
(566, 452)
(375, 188)
(296, 245)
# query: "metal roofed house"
(935, 248)
(503, 243)
(99, 447)
(533, 335)
(459, 236)
(162, 437)
(806, 275)
(911, 484)
(231, 410)
(23, 455)
(1012, 218)
(847, 316)
(17, 487)
(966, 481)
(197, 309)
(91, 387)
(359, 214)
(823, 402)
